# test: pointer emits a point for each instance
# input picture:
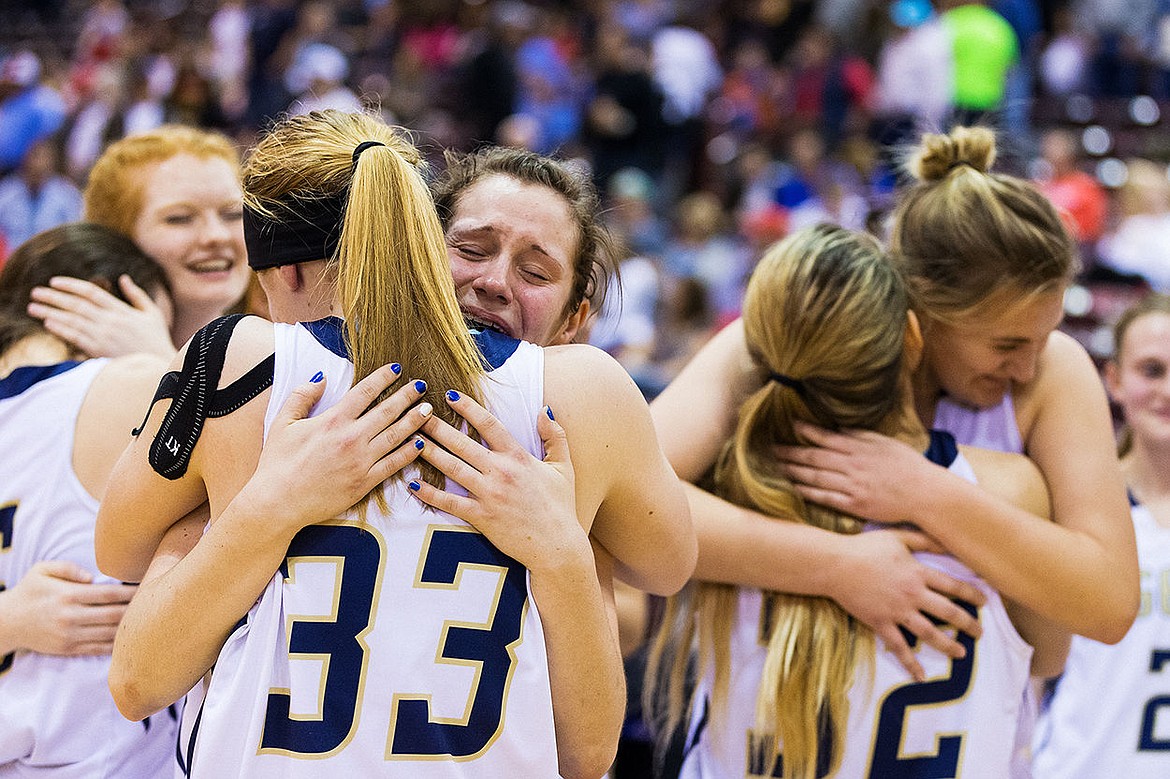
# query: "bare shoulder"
(122, 389)
(1013, 477)
(252, 341)
(568, 365)
(1064, 370)
(602, 410)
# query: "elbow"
(1115, 624)
(681, 572)
(107, 563)
(134, 702)
(670, 574)
(588, 762)
(111, 558)
(1115, 629)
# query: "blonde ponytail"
(394, 283)
(825, 316)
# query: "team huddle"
(379, 529)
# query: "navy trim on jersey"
(494, 347)
(185, 766)
(22, 378)
(330, 333)
(704, 720)
(942, 450)
(1133, 501)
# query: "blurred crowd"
(711, 129)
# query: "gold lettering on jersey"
(1155, 590)
(464, 718)
(294, 564)
(338, 562)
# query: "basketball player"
(63, 422)
(411, 646)
(791, 685)
(1110, 713)
(987, 260)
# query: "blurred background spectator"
(37, 197)
(1138, 245)
(712, 128)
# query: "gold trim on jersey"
(902, 753)
(463, 719)
(359, 637)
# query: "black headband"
(309, 231)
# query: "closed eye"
(471, 251)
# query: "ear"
(913, 341)
(1112, 378)
(572, 325)
(291, 276)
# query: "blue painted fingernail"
(318, 376)
(548, 410)
(418, 444)
(420, 386)
(414, 486)
(452, 395)
(396, 368)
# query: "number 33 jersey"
(400, 646)
(959, 722)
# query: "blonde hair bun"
(938, 155)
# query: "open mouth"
(475, 323)
(211, 266)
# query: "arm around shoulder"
(1069, 435)
(696, 413)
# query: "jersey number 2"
(414, 732)
(887, 747)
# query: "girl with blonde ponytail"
(391, 639)
(986, 260)
(791, 685)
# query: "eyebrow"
(488, 229)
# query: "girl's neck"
(906, 423)
(1147, 472)
(38, 349)
(926, 393)
(188, 319)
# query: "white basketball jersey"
(402, 646)
(1110, 714)
(960, 722)
(57, 717)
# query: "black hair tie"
(361, 147)
(796, 385)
